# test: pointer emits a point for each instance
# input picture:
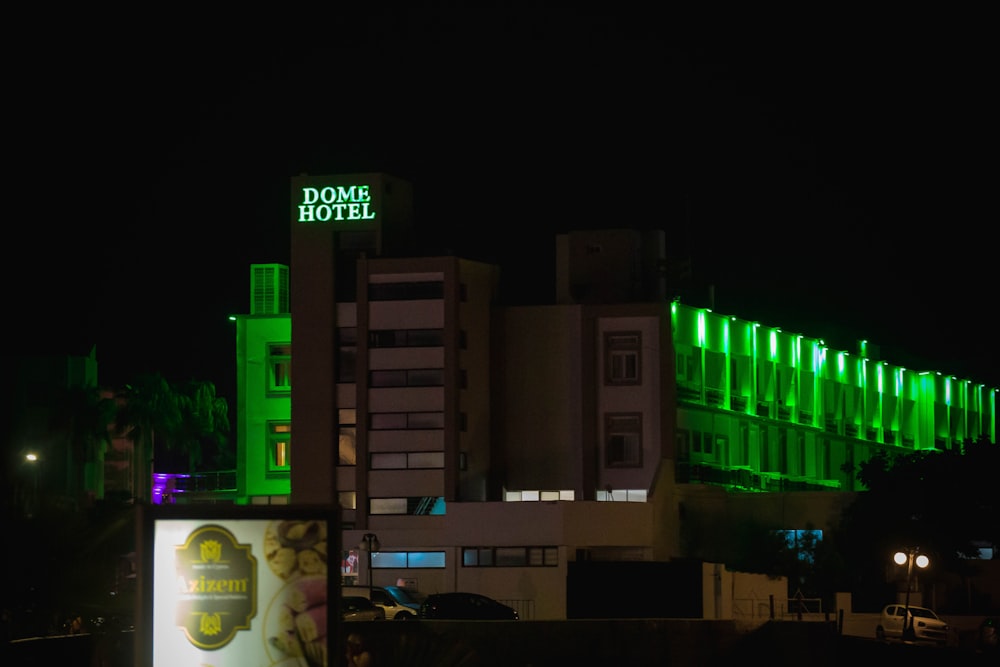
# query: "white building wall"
(421, 314)
(568, 526)
(644, 398)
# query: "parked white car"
(927, 625)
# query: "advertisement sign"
(238, 587)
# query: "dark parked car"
(465, 606)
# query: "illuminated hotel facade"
(483, 442)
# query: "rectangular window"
(623, 439)
(744, 447)
(826, 458)
(510, 556)
(387, 505)
(406, 338)
(392, 421)
(408, 560)
(418, 377)
(477, 557)
(279, 447)
(388, 559)
(347, 353)
(405, 291)
(425, 559)
(800, 458)
(348, 448)
(281, 454)
(764, 447)
(413, 505)
(622, 358)
(407, 460)
(348, 500)
(279, 364)
(721, 448)
(783, 445)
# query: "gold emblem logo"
(218, 577)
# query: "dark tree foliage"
(203, 426)
(180, 423)
(943, 503)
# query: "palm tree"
(149, 406)
(204, 420)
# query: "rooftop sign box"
(344, 202)
(236, 586)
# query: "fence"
(759, 609)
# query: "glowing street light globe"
(921, 560)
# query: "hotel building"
(492, 447)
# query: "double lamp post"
(910, 557)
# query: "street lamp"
(32, 460)
(910, 556)
(369, 543)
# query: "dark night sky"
(153, 162)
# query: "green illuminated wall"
(261, 407)
(783, 407)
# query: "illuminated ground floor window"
(414, 505)
(622, 495)
(510, 556)
(408, 559)
(532, 495)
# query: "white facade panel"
(410, 277)
(406, 399)
(347, 395)
(419, 314)
(406, 441)
(405, 483)
(347, 314)
(405, 357)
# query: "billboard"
(240, 586)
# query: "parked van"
(399, 603)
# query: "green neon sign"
(335, 204)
